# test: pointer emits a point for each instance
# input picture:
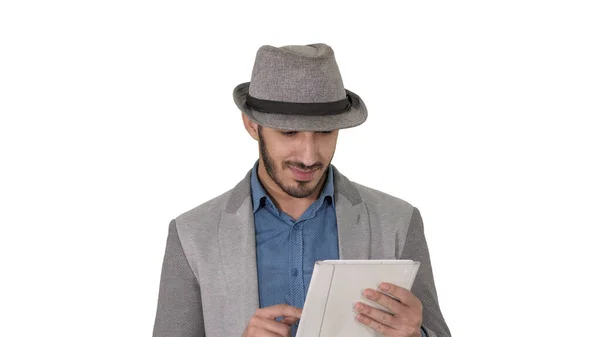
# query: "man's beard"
(303, 189)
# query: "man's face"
(296, 161)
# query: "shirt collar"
(260, 196)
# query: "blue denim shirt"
(287, 249)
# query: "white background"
(117, 116)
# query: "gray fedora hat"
(299, 88)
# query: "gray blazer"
(209, 284)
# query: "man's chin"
(300, 189)
(298, 194)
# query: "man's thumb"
(290, 320)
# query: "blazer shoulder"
(205, 217)
(375, 197)
(382, 205)
(205, 213)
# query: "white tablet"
(337, 284)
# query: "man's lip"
(302, 175)
(301, 170)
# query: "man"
(240, 264)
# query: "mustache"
(303, 167)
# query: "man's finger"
(379, 327)
(265, 325)
(389, 303)
(290, 320)
(376, 314)
(278, 311)
(253, 331)
(405, 296)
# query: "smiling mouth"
(302, 175)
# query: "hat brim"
(356, 115)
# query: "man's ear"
(250, 126)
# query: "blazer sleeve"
(415, 248)
(179, 310)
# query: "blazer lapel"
(238, 254)
(354, 232)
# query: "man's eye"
(325, 132)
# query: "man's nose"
(308, 149)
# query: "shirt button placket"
(297, 268)
(293, 260)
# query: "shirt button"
(294, 272)
(296, 227)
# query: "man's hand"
(263, 323)
(406, 308)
